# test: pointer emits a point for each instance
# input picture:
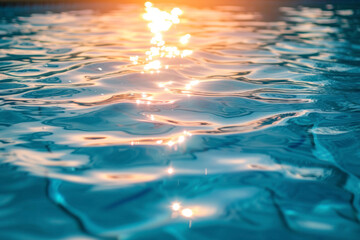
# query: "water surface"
(264, 146)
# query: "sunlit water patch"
(245, 125)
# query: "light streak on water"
(159, 23)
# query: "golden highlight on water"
(160, 22)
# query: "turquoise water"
(264, 146)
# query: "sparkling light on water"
(187, 212)
(176, 206)
(160, 22)
(170, 170)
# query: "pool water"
(256, 135)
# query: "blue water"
(92, 148)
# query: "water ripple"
(255, 133)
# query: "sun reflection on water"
(191, 211)
(160, 22)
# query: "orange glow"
(160, 22)
(185, 39)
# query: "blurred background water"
(264, 146)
